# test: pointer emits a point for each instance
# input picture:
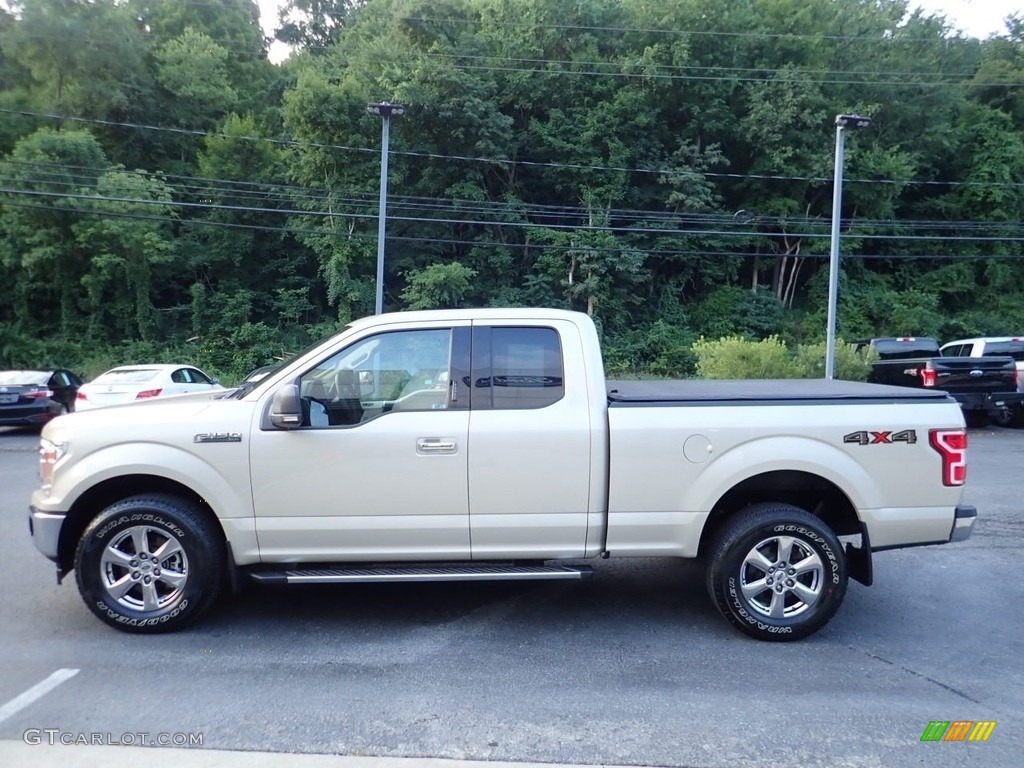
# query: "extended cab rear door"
(529, 442)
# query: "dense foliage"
(168, 192)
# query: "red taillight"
(39, 393)
(148, 393)
(952, 447)
(81, 396)
(927, 377)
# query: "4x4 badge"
(864, 437)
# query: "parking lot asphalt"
(20, 755)
(633, 668)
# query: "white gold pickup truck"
(486, 444)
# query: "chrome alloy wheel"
(781, 577)
(144, 569)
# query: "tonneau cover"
(764, 391)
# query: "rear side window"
(197, 377)
(126, 376)
(906, 348)
(21, 378)
(517, 368)
(1014, 349)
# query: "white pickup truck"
(486, 444)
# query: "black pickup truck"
(985, 387)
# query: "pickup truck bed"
(763, 392)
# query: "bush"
(850, 365)
(734, 357)
(738, 358)
(660, 351)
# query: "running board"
(424, 573)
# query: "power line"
(502, 161)
(570, 228)
(519, 246)
(49, 175)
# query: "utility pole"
(842, 123)
(385, 110)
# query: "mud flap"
(858, 560)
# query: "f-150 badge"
(218, 437)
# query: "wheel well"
(102, 495)
(821, 497)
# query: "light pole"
(842, 123)
(385, 110)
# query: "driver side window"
(386, 372)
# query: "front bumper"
(45, 530)
(963, 522)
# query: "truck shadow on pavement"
(648, 592)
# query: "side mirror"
(286, 408)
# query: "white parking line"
(35, 693)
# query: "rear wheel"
(149, 564)
(1010, 416)
(776, 572)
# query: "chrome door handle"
(432, 445)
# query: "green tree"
(128, 234)
(193, 69)
(439, 286)
(46, 173)
(85, 58)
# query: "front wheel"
(776, 572)
(149, 563)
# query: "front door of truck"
(378, 470)
(530, 446)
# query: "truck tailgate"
(975, 374)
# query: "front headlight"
(49, 454)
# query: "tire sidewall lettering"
(140, 517)
(131, 621)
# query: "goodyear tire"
(150, 563)
(776, 572)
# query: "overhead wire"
(513, 246)
(504, 161)
(578, 227)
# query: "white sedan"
(131, 383)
